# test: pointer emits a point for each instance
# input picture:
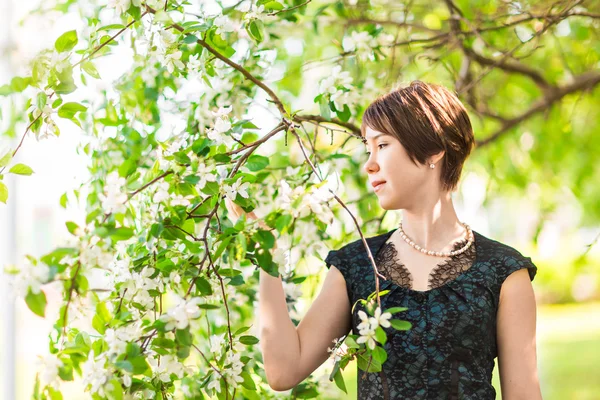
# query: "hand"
(235, 211)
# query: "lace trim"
(393, 269)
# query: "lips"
(377, 183)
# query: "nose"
(371, 165)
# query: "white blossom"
(49, 127)
(162, 192)
(237, 187)
(205, 174)
(113, 199)
(49, 365)
(281, 257)
(222, 112)
(254, 14)
(168, 365)
(223, 24)
(216, 343)
(336, 79)
(380, 319)
(215, 382)
(292, 290)
(180, 315)
(367, 336)
(194, 63)
(30, 277)
(120, 6)
(93, 255)
(222, 125)
(171, 59)
(180, 200)
(365, 323)
(95, 374)
(117, 338)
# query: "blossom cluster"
(368, 326)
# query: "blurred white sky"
(58, 168)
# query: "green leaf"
(66, 41)
(203, 286)
(19, 84)
(89, 67)
(400, 325)
(6, 159)
(345, 114)
(41, 100)
(248, 382)
(66, 372)
(184, 337)
(63, 200)
(122, 233)
(256, 162)
(206, 306)
(21, 169)
(339, 381)
(241, 330)
(111, 26)
(140, 365)
(248, 340)
(3, 192)
(36, 302)
(5, 90)
(256, 30)
(351, 343)
(189, 39)
(164, 343)
(324, 108)
(381, 294)
(379, 354)
(98, 325)
(273, 6)
(116, 392)
(71, 227)
(395, 310)
(380, 335)
(54, 394)
(229, 272)
(65, 77)
(102, 312)
(68, 110)
(364, 360)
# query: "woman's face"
(404, 181)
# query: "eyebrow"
(376, 136)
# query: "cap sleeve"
(513, 264)
(337, 258)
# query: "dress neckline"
(388, 282)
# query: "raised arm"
(290, 353)
(516, 319)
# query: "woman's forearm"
(279, 341)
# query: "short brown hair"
(426, 119)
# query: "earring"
(432, 165)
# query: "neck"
(433, 224)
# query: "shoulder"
(354, 254)
(357, 247)
(505, 258)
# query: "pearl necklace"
(440, 253)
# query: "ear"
(434, 158)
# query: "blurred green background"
(532, 182)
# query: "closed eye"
(381, 144)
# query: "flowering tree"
(171, 141)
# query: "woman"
(469, 298)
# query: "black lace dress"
(449, 352)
